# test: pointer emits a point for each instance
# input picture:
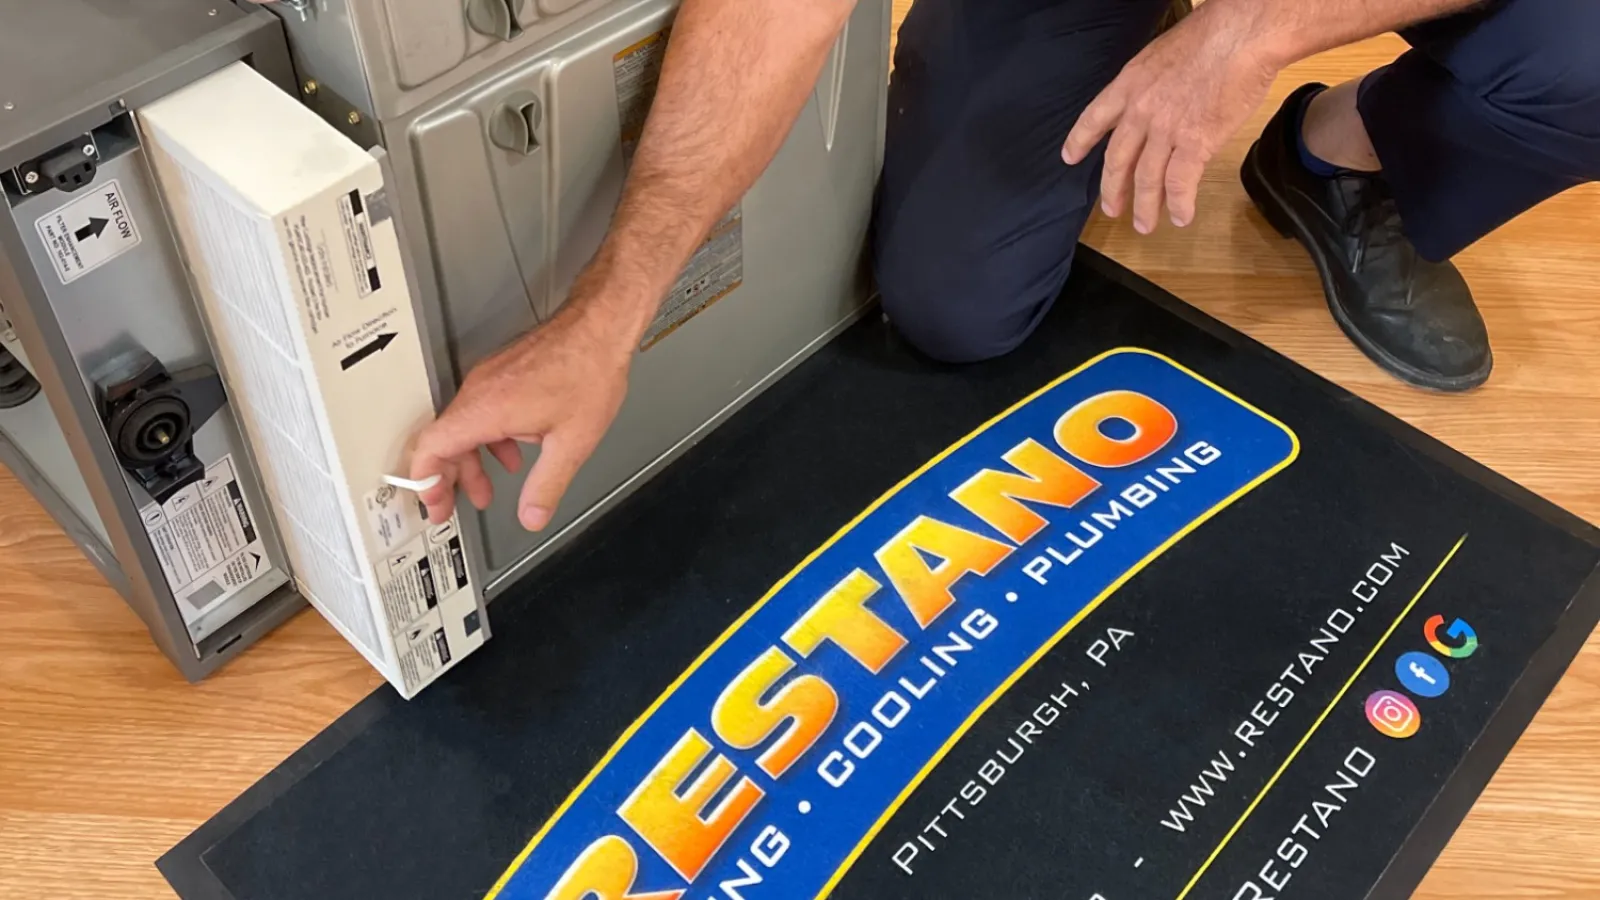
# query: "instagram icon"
(1393, 714)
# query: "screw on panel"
(31, 178)
(310, 88)
(355, 118)
(88, 149)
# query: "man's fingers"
(473, 480)
(426, 463)
(1094, 123)
(1183, 186)
(509, 455)
(552, 474)
(441, 498)
(462, 428)
(1116, 180)
(440, 449)
(1149, 184)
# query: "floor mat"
(1142, 610)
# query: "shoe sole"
(1281, 216)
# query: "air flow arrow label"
(88, 231)
(374, 346)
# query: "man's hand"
(1170, 110)
(559, 387)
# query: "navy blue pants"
(1492, 112)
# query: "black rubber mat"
(1234, 634)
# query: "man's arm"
(1172, 108)
(736, 75)
(735, 78)
(1292, 31)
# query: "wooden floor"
(107, 758)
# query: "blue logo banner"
(779, 755)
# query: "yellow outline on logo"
(944, 750)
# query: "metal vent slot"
(496, 18)
(518, 124)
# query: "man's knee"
(1559, 88)
(1531, 61)
(956, 309)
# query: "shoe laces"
(1372, 218)
(1371, 213)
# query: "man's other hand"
(559, 387)
(1170, 110)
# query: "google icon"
(1464, 638)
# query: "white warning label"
(717, 268)
(393, 516)
(715, 271)
(637, 70)
(424, 649)
(88, 232)
(357, 225)
(428, 569)
(207, 540)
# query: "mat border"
(184, 865)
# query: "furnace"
(503, 130)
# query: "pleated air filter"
(285, 227)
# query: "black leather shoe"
(1413, 317)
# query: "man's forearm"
(1287, 31)
(736, 75)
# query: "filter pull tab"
(407, 484)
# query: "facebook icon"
(1422, 674)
